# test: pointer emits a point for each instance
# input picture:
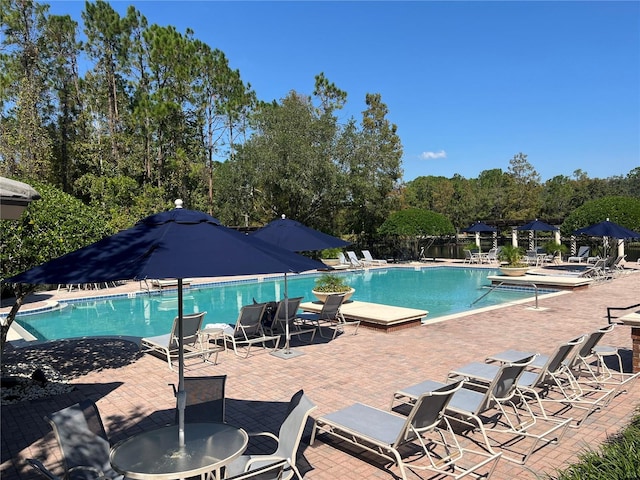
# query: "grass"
(617, 459)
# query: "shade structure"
(296, 237)
(480, 227)
(177, 244)
(536, 226)
(606, 230)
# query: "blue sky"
(469, 84)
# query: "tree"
(49, 228)
(414, 224)
(624, 211)
(25, 147)
(373, 170)
(524, 191)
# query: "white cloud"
(433, 155)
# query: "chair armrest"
(264, 434)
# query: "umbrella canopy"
(296, 237)
(538, 226)
(175, 244)
(607, 229)
(480, 227)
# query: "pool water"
(440, 290)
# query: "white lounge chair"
(369, 260)
(582, 255)
(353, 259)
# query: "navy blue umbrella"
(480, 227)
(538, 226)
(175, 244)
(607, 229)
(296, 237)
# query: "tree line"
(127, 117)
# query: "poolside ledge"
(561, 282)
(375, 315)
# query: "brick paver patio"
(132, 390)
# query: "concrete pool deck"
(132, 394)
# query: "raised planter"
(322, 296)
(514, 271)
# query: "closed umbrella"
(177, 244)
(296, 237)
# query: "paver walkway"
(132, 390)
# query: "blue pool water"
(440, 290)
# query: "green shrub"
(331, 283)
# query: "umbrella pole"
(287, 348)
(181, 395)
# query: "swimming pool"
(440, 290)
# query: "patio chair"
(273, 471)
(369, 260)
(353, 259)
(470, 257)
(582, 255)
(280, 319)
(343, 263)
(248, 330)
(83, 442)
(391, 435)
(205, 399)
(492, 402)
(331, 315)
(167, 345)
(602, 375)
(548, 380)
(492, 256)
(39, 467)
(287, 440)
(532, 258)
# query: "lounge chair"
(343, 263)
(492, 402)
(288, 441)
(369, 260)
(353, 259)
(280, 320)
(330, 314)
(248, 329)
(602, 375)
(582, 255)
(548, 380)
(83, 442)
(391, 435)
(163, 283)
(205, 399)
(167, 344)
(532, 258)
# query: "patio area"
(133, 394)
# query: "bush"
(331, 283)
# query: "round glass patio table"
(155, 454)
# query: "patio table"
(156, 455)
